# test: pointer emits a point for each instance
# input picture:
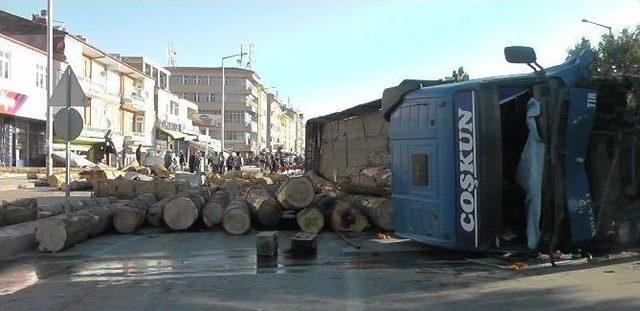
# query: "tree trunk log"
(181, 212)
(56, 180)
(132, 215)
(165, 189)
(146, 187)
(56, 234)
(18, 211)
(373, 180)
(296, 193)
(213, 210)
(237, 218)
(154, 212)
(77, 185)
(378, 209)
(310, 219)
(346, 217)
(264, 206)
(322, 185)
(126, 189)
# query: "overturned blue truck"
(545, 160)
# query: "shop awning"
(174, 134)
(189, 137)
(74, 147)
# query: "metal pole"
(67, 207)
(50, 72)
(222, 111)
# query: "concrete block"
(304, 244)
(267, 244)
(195, 180)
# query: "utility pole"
(50, 77)
(584, 20)
(222, 106)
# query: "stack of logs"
(237, 201)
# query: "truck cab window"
(419, 170)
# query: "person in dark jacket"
(237, 162)
(230, 161)
(139, 154)
(181, 161)
(192, 160)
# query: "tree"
(614, 54)
(458, 75)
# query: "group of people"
(278, 162)
(197, 161)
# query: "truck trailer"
(457, 152)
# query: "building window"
(209, 111)
(212, 97)
(202, 97)
(189, 96)
(177, 79)
(175, 108)
(234, 116)
(190, 80)
(5, 64)
(420, 170)
(203, 80)
(232, 135)
(138, 125)
(41, 76)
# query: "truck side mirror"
(521, 55)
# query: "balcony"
(133, 102)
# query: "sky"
(329, 55)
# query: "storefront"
(22, 141)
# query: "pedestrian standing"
(139, 154)
(237, 162)
(181, 161)
(192, 159)
(230, 162)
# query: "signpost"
(67, 123)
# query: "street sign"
(67, 123)
(67, 118)
(68, 92)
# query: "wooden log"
(181, 212)
(322, 185)
(146, 187)
(18, 211)
(310, 219)
(77, 185)
(126, 189)
(213, 210)
(56, 234)
(144, 171)
(132, 215)
(296, 193)
(55, 180)
(154, 212)
(380, 211)
(368, 180)
(165, 189)
(236, 218)
(263, 206)
(160, 171)
(347, 217)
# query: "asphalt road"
(211, 270)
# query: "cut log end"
(236, 222)
(310, 220)
(296, 193)
(125, 221)
(180, 213)
(51, 236)
(345, 217)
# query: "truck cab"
(455, 149)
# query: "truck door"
(422, 165)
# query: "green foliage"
(614, 54)
(458, 75)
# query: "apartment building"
(245, 103)
(119, 97)
(178, 125)
(274, 108)
(23, 103)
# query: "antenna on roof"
(171, 54)
(250, 56)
